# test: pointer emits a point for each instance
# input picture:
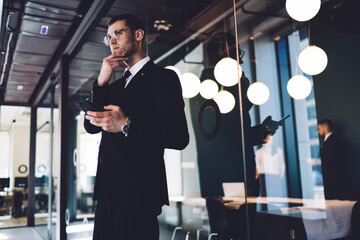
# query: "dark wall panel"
(337, 90)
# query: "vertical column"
(287, 104)
(50, 164)
(31, 176)
(62, 165)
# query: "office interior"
(52, 51)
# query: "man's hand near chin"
(109, 64)
(110, 120)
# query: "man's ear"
(139, 35)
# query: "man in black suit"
(144, 114)
(332, 163)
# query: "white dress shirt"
(327, 136)
(136, 68)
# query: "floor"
(77, 231)
(8, 221)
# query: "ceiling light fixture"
(312, 60)
(190, 84)
(162, 25)
(258, 93)
(225, 100)
(299, 87)
(209, 89)
(302, 10)
(225, 72)
(20, 87)
(7, 47)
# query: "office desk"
(320, 219)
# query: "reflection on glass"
(85, 162)
(14, 164)
(270, 168)
(43, 167)
(306, 125)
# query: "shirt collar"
(137, 66)
(327, 136)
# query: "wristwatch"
(125, 128)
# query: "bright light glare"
(190, 84)
(302, 10)
(225, 100)
(3, 236)
(225, 72)
(312, 60)
(258, 93)
(299, 87)
(80, 228)
(208, 89)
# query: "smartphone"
(281, 121)
(88, 106)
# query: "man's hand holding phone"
(110, 120)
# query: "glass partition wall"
(47, 155)
(14, 138)
(263, 177)
(269, 182)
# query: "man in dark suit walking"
(144, 115)
(332, 161)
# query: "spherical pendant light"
(258, 93)
(312, 60)
(208, 89)
(302, 10)
(190, 84)
(225, 72)
(225, 100)
(175, 69)
(299, 87)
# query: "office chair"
(187, 233)
(243, 227)
(2, 206)
(17, 210)
(188, 227)
(218, 220)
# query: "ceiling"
(30, 61)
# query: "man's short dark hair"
(131, 21)
(327, 122)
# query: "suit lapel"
(139, 76)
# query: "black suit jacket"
(332, 164)
(131, 169)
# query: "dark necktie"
(123, 79)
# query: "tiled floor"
(76, 231)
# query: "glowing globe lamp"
(225, 100)
(299, 87)
(190, 84)
(208, 89)
(174, 69)
(258, 93)
(302, 10)
(225, 72)
(312, 60)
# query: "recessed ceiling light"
(20, 87)
(162, 25)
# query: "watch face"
(126, 128)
